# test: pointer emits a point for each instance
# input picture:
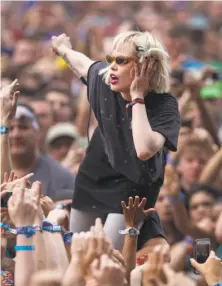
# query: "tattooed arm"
(77, 62)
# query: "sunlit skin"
(200, 206)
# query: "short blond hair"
(144, 44)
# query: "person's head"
(25, 52)
(60, 100)
(44, 113)
(193, 156)
(163, 206)
(59, 139)
(202, 199)
(130, 49)
(23, 135)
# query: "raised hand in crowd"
(8, 100)
(22, 208)
(107, 272)
(58, 42)
(211, 269)
(134, 213)
(11, 180)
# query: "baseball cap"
(61, 130)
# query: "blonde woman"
(137, 117)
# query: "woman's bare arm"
(77, 62)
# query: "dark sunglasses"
(120, 60)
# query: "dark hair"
(60, 90)
(204, 188)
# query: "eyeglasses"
(120, 60)
(203, 204)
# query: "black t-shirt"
(151, 228)
(111, 170)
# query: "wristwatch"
(131, 231)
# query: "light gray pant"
(82, 221)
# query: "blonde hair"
(144, 44)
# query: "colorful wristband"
(4, 130)
(47, 226)
(7, 227)
(24, 247)
(67, 237)
(28, 230)
(132, 103)
(218, 284)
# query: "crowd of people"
(46, 126)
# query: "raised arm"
(8, 101)
(210, 172)
(77, 62)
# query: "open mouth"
(113, 79)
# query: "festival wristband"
(132, 103)
(48, 226)
(4, 130)
(218, 284)
(28, 230)
(24, 247)
(67, 237)
(7, 227)
(179, 198)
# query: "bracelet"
(48, 226)
(4, 130)
(67, 237)
(24, 247)
(132, 103)
(177, 199)
(28, 230)
(7, 227)
(218, 284)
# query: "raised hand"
(106, 272)
(93, 243)
(211, 269)
(8, 102)
(60, 41)
(171, 181)
(22, 207)
(47, 204)
(11, 180)
(134, 213)
(143, 78)
(153, 268)
(58, 217)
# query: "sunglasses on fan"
(120, 60)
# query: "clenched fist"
(59, 42)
